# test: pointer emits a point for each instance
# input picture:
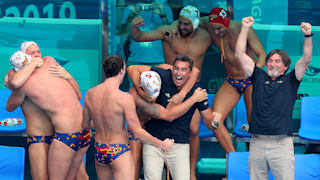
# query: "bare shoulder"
(49, 59)
(235, 26)
(204, 22)
(203, 32)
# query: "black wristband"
(309, 35)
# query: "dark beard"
(184, 35)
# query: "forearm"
(241, 43)
(17, 79)
(136, 33)
(307, 49)
(146, 138)
(14, 101)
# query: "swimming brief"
(39, 139)
(240, 84)
(131, 137)
(76, 140)
(106, 153)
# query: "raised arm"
(138, 35)
(58, 71)
(257, 47)
(138, 131)
(303, 63)
(17, 79)
(157, 111)
(240, 52)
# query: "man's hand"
(59, 71)
(36, 62)
(171, 32)
(247, 22)
(176, 99)
(137, 22)
(200, 95)
(306, 28)
(216, 120)
(167, 144)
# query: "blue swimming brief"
(131, 137)
(76, 140)
(240, 84)
(39, 139)
(106, 153)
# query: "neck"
(112, 82)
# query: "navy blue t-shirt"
(272, 103)
(179, 129)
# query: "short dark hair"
(184, 59)
(112, 65)
(284, 57)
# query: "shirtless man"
(38, 125)
(224, 34)
(190, 40)
(62, 107)
(108, 107)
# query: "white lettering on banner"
(256, 10)
(66, 11)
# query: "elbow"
(9, 108)
(137, 134)
(15, 85)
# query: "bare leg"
(225, 99)
(59, 160)
(82, 173)
(77, 168)
(38, 156)
(194, 143)
(122, 167)
(136, 151)
(103, 171)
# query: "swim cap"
(24, 46)
(219, 16)
(151, 83)
(20, 59)
(192, 14)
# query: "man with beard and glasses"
(224, 34)
(273, 97)
(184, 37)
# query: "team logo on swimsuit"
(205, 103)
(167, 95)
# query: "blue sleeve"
(200, 105)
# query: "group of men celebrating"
(167, 124)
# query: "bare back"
(194, 47)
(37, 121)
(56, 97)
(106, 107)
(231, 64)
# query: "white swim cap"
(20, 59)
(24, 46)
(151, 83)
(192, 14)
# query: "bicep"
(157, 34)
(300, 68)
(130, 113)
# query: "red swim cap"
(219, 16)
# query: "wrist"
(308, 35)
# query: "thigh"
(179, 161)
(225, 99)
(281, 158)
(123, 167)
(38, 157)
(152, 162)
(258, 166)
(59, 159)
(103, 171)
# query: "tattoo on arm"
(153, 110)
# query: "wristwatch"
(215, 124)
